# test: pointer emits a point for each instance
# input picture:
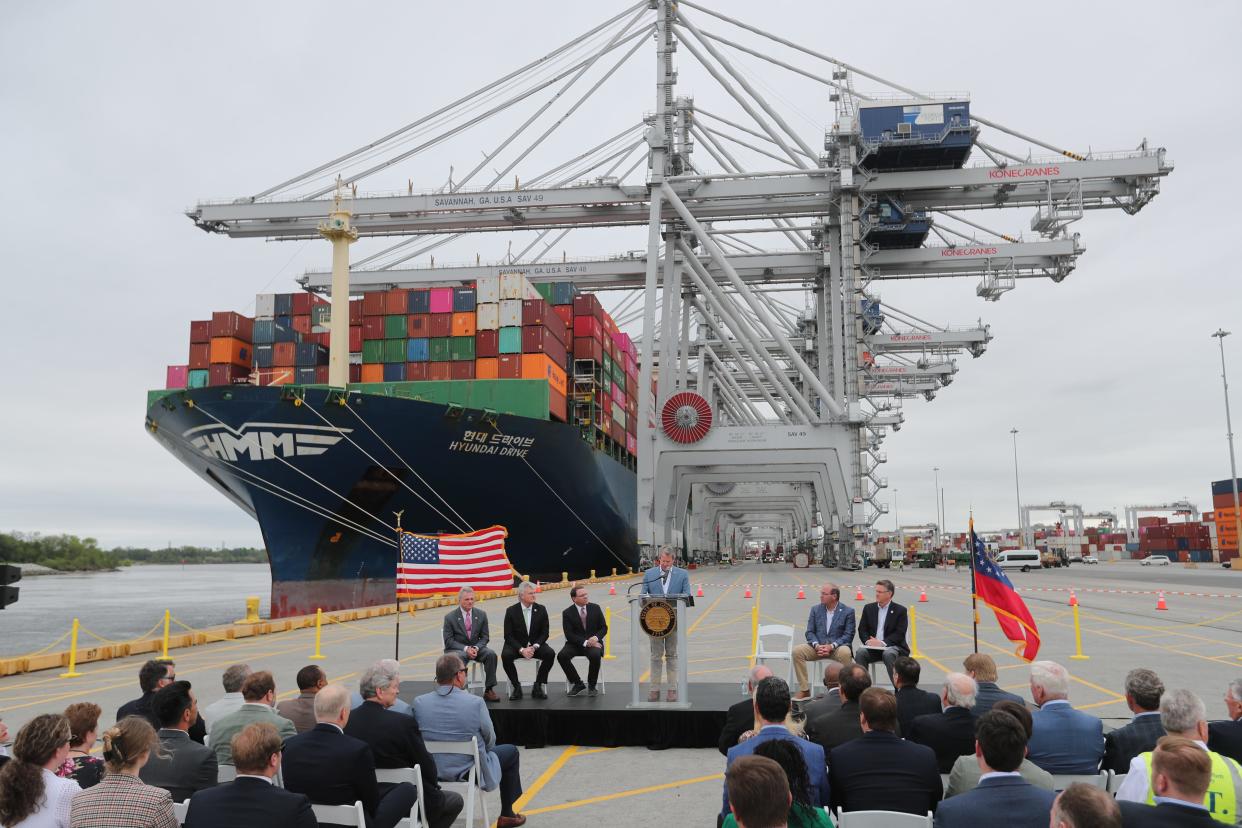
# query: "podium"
(658, 616)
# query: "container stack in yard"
(1224, 519)
(1180, 542)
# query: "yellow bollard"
(318, 654)
(1078, 656)
(754, 630)
(608, 656)
(592, 574)
(564, 577)
(73, 653)
(167, 618)
(614, 572)
(914, 634)
(252, 611)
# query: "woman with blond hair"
(31, 794)
(121, 799)
(84, 723)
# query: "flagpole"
(974, 597)
(396, 644)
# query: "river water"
(125, 604)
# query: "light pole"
(936, 502)
(1220, 335)
(1016, 490)
(896, 522)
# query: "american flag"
(439, 564)
(997, 592)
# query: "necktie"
(664, 582)
(582, 615)
(467, 617)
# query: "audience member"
(252, 800)
(465, 635)
(526, 636)
(398, 705)
(333, 768)
(585, 629)
(31, 794)
(258, 694)
(880, 771)
(301, 709)
(772, 706)
(180, 766)
(450, 714)
(152, 676)
(882, 629)
(121, 800)
(1182, 773)
(396, 742)
(758, 793)
(950, 733)
(803, 813)
(829, 634)
(1082, 805)
(1143, 692)
(965, 773)
(830, 699)
(1063, 740)
(1183, 714)
(982, 668)
(741, 716)
(232, 699)
(1226, 737)
(84, 723)
(912, 701)
(837, 727)
(1002, 794)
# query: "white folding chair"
(353, 815)
(944, 781)
(470, 787)
(225, 773)
(599, 684)
(518, 663)
(882, 819)
(1114, 782)
(418, 814)
(473, 682)
(180, 809)
(1061, 781)
(762, 653)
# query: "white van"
(1024, 559)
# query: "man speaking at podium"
(665, 579)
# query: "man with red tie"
(584, 627)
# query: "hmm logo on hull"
(264, 441)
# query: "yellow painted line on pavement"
(544, 778)
(578, 803)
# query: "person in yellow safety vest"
(1183, 714)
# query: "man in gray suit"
(465, 635)
(450, 714)
(181, 766)
(259, 693)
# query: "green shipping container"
(618, 376)
(198, 378)
(441, 349)
(321, 314)
(510, 340)
(394, 327)
(523, 398)
(373, 350)
(394, 350)
(545, 290)
(461, 348)
(607, 367)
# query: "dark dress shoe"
(516, 694)
(538, 693)
(591, 691)
(577, 689)
(490, 695)
(510, 821)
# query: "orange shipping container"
(487, 368)
(541, 366)
(225, 350)
(372, 372)
(463, 323)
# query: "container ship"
(495, 402)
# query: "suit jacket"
(220, 708)
(1225, 738)
(950, 734)
(895, 624)
(331, 768)
(249, 803)
(966, 772)
(912, 703)
(835, 728)
(812, 754)
(300, 711)
(516, 634)
(989, 694)
(571, 624)
(141, 706)
(122, 801)
(1065, 740)
(394, 739)
(879, 771)
(1164, 815)
(1124, 743)
(223, 731)
(678, 583)
(739, 719)
(1022, 805)
(186, 766)
(820, 705)
(455, 638)
(841, 631)
(448, 714)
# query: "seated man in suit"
(882, 628)
(757, 790)
(982, 668)
(880, 771)
(465, 634)
(259, 693)
(252, 800)
(584, 628)
(450, 714)
(335, 769)
(665, 579)
(1081, 805)
(829, 634)
(1002, 796)
(180, 766)
(1181, 776)
(1064, 740)
(830, 699)
(301, 710)
(912, 701)
(965, 773)
(772, 705)
(396, 742)
(1143, 691)
(839, 726)
(232, 679)
(398, 706)
(526, 636)
(153, 675)
(950, 733)
(1226, 737)
(741, 716)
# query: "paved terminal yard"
(1196, 643)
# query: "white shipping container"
(265, 306)
(528, 290)
(513, 286)
(487, 317)
(487, 290)
(510, 313)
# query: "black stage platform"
(604, 721)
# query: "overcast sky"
(119, 116)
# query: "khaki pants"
(664, 650)
(803, 653)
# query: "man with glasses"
(153, 675)
(882, 629)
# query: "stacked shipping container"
(1224, 518)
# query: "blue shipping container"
(394, 372)
(419, 301)
(310, 354)
(463, 300)
(263, 356)
(284, 304)
(417, 350)
(306, 376)
(563, 293)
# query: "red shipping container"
(588, 348)
(321, 375)
(372, 327)
(631, 444)
(487, 344)
(176, 376)
(588, 326)
(556, 404)
(200, 356)
(228, 323)
(301, 304)
(200, 331)
(534, 311)
(355, 338)
(585, 304)
(510, 366)
(395, 301)
(373, 303)
(418, 325)
(416, 371)
(355, 373)
(439, 371)
(284, 354)
(355, 311)
(538, 340)
(566, 313)
(324, 339)
(301, 324)
(461, 369)
(227, 374)
(441, 325)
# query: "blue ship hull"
(324, 481)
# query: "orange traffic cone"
(1073, 599)
(538, 586)
(747, 595)
(1160, 604)
(801, 594)
(859, 596)
(699, 594)
(923, 596)
(612, 589)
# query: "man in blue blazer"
(1002, 794)
(772, 705)
(829, 633)
(665, 579)
(1064, 740)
